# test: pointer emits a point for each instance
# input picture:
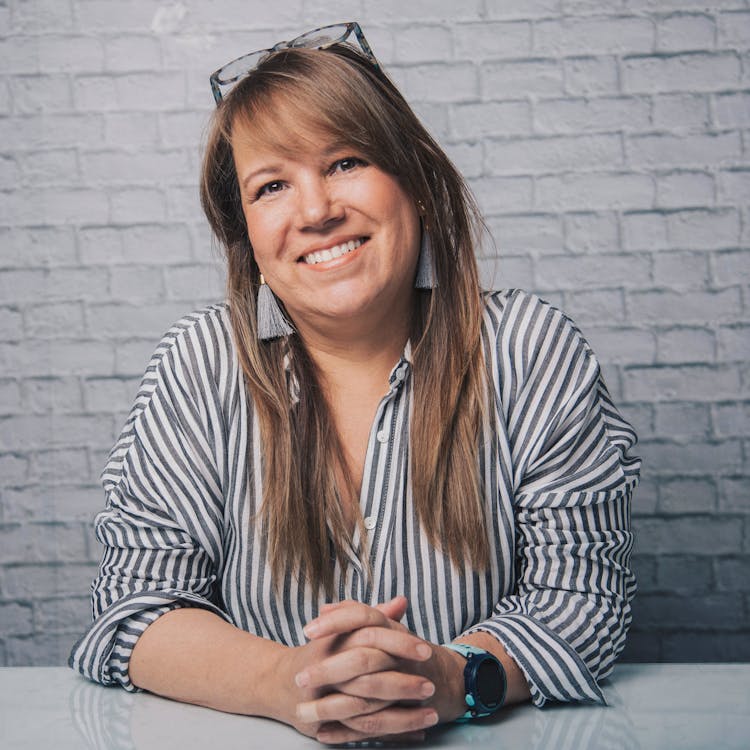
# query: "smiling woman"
(359, 436)
(335, 237)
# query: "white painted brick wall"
(607, 143)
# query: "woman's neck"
(363, 349)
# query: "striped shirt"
(184, 486)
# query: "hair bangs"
(299, 100)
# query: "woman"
(359, 437)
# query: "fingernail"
(424, 651)
(311, 629)
(426, 689)
(431, 719)
(305, 712)
(302, 679)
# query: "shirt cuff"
(553, 669)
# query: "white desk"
(697, 706)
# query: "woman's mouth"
(321, 256)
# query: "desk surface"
(650, 706)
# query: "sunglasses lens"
(321, 37)
(237, 68)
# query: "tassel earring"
(271, 321)
(425, 274)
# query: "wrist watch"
(484, 681)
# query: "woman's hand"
(380, 680)
(349, 653)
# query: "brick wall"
(608, 144)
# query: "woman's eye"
(347, 164)
(270, 187)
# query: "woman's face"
(335, 237)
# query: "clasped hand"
(364, 675)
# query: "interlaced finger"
(346, 617)
(398, 643)
(337, 707)
(390, 686)
(345, 666)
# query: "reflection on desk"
(650, 706)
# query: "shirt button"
(382, 436)
(369, 523)
(401, 373)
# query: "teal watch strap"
(484, 681)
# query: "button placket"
(382, 436)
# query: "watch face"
(489, 683)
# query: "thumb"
(394, 609)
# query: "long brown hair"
(340, 93)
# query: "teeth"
(332, 252)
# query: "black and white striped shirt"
(184, 485)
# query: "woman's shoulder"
(508, 309)
(200, 326)
(524, 326)
(183, 370)
(190, 352)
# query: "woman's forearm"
(194, 656)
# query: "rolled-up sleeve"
(566, 621)
(162, 525)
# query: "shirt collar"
(396, 377)
(401, 369)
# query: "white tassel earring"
(425, 273)
(272, 323)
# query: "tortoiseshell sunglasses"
(227, 76)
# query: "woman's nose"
(318, 206)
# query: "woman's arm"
(162, 529)
(194, 656)
(573, 476)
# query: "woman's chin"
(342, 313)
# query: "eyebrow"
(270, 169)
